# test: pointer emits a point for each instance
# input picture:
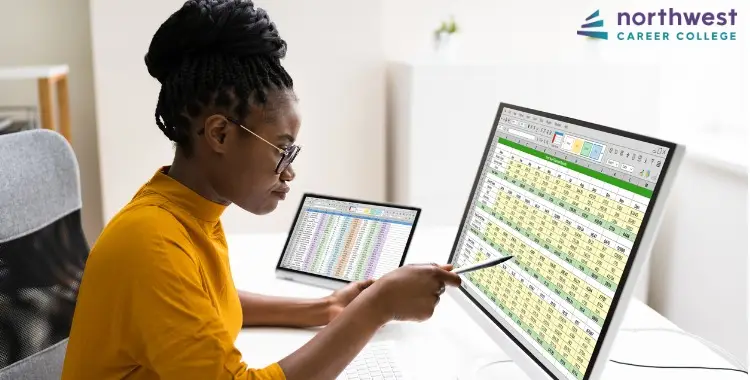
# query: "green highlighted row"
(609, 281)
(619, 231)
(563, 360)
(594, 316)
(582, 214)
(581, 169)
(574, 241)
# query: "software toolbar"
(615, 155)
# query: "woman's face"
(246, 171)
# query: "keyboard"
(375, 361)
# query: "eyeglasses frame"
(291, 151)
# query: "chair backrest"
(42, 252)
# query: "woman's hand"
(339, 299)
(410, 293)
(407, 293)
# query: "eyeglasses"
(287, 155)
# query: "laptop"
(335, 241)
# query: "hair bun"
(208, 27)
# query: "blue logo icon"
(593, 24)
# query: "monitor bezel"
(342, 199)
(639, 252)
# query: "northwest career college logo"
(593, 24)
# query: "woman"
(157, 299)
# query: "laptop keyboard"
(375, 361)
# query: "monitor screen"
(348, 240)
(569, 200)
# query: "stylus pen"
(482, 265)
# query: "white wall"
(704, 92)
(41, 32)
(336, 59)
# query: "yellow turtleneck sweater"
(157, 300)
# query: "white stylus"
(481, 265)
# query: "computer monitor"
(334, 241)
(578, 204)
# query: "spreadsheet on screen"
(348, 240)
(568, 202)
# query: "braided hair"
(214, 52)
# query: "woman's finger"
(448, 267)
(440, 290)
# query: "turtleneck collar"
(184, 197)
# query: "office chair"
(42, 252)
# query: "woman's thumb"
(448, 267)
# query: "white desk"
(440, 347)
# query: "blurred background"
(391, 114)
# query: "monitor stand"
(491, 367)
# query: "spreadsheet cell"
(345, 246)
(571, 234)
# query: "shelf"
(32, 72)
(49, 78)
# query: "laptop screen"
(348, 240)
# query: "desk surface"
(450, 338)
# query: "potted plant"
(445, 38)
